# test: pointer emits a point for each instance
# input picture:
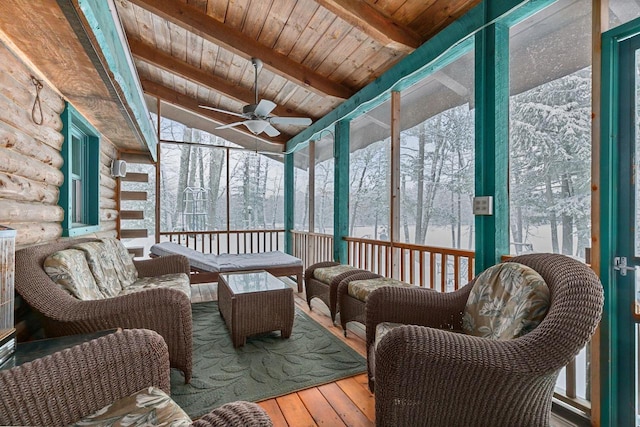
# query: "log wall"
(30, 170)
(30, 159)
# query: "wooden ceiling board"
(255, 18)
(332, 41)
(406, 13)
(194, 49)
(295, 25)
(275, 22)
(145, 28)
(127, 17)
(178, 42)
(435, 19)
(198, 4)
(388, 7)
(209, 57)
(312, 34)
(162, 34)
(348, 46)
(236, 12)
(217, 9)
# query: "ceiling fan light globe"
(256, 126)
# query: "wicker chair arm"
(83, 379)
(124, 310)
(163, 265)
(415, 306)
(235, 414)
(309, 271)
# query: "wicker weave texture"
(166, 311)
(430, 376)
(352, 309)
(256, 312)
(327, 292)
(67, 386)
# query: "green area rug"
(266, 366)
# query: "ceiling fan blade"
(221, 111)
(295, 121)
(230, 125)
(271, 131)
(264, 107)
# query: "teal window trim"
(76, 126)
(289, 191)
(617, 346)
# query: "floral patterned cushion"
(327, 274)
(361, 289)
(125, 269)
(179, 281)
(508, 300)
(148, 407)
(102, 266)
(69, 269)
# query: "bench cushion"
(69, 269)
(361, 289)
(327, 274)
(148, 407)
(256, 261)
(508, 300)
(204, 262)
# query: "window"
(80, 192)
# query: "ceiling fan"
(256, 116)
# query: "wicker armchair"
(430, 375)
(165, 311)
(69, 385)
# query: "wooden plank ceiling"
(316, 53)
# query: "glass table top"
(254, 281)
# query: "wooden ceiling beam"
(373, 23)
(170, 64)
(192, 105)
(209, 28)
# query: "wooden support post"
(394, 218)
(289, 190)
(492, 142)
(341, 192)
(312, 198)
(158, 176)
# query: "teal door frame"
(617, 347)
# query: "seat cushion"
(69, 269)
(508, 300)
(148, 407)
(179, 281)
(205, 262)
(102, 266)
(361, 289)
(327, 274)
(256, 261)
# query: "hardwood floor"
(347, 402)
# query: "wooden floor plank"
(360, 396)
(272, 408)
(294, 411)
(321, 411)
(340, 402)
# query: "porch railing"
(312, 247)
(231, 241)
(443, 269)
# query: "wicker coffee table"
(254, 302)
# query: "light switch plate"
(483, 205)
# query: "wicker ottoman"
(321, 281)
(353, 292)
(254, 302)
